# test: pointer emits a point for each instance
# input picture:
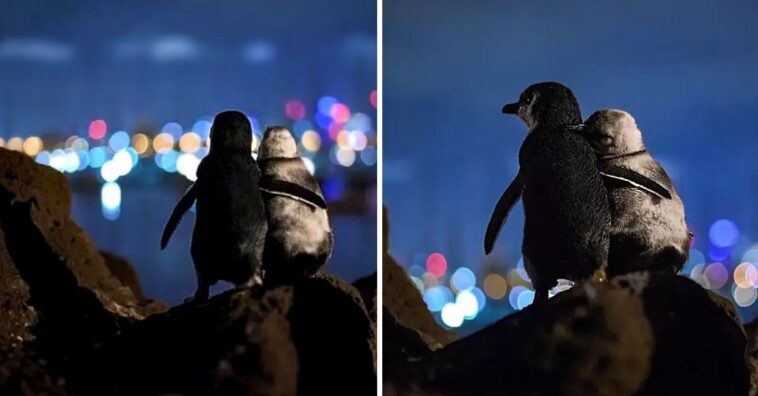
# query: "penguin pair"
(568, 216)
(251, 219)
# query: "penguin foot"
(599, 276)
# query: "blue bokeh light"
(724, 233)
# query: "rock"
(751, 329)
(66, 335)
(27, 181)
(641, 334)
(409, 330)
(14, 293)
(366, 286)
(700, 348)
(237, 343)
(23, 374)
(125, 273)
(334, 336)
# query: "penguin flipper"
(502, 209)
(635, 179)
(292, 190)
(188, 199)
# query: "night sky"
(686, 70)
(141, 64)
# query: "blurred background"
(685, 70)
(120, 97)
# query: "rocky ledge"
(75, 322)
(639, 334)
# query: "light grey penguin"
(230, 221)
(299, 239)
(648, 231)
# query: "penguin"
(230, 221)
(300, 238)
(648, 231)
(567, 214)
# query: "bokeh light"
(717, 275)
(97, 129)
(723, 233)
(187, 165)
(468, 304)
(311, 141)
(325, 104)
(97, 156)
(452, 315)
(744, 297)
(345, 158)
(436, 264)
(746, 275)
(15, 144)
(495, 286)
(190, 142)
(43, 158)
(174, 129)
(436, 297)
(368, 156)
(141, 143)
(481, 299)
(110, 198)
(751, 255)
(118, 141)
(163, 143)
(203, 128)
(524, 299)
(340, 112)
(463, 279)
(514, 294)
(32, 146)
(294, 109)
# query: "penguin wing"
(188, 199)
(292, 190)
(502, 209)
(635, 179)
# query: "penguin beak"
(511, 108)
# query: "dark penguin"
(648, 232)
(567, 216)
(299, 239)
(230, 222)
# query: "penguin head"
(612, 132)
(548, 104)
(231, 131)
(277, 143)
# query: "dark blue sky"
(140, 64)
(686, 70)
(177, 60)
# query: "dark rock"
(14, 293)
(23, 374)
(125, 273)
(334, 336)
(700, 348)
(27, 181)
(367, 288)
(237, 343)
(641, 334)
(66, 335)
(409, 330)
(751, 329)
